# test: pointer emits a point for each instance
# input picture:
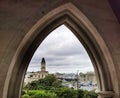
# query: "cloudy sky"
(63, 53)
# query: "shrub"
(66, 93)
(44, 95)
(32, 92)
(23, 92)
(81, 93)
(25, 96)
(39, 94)
(91, 94)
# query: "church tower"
(43, 65)
(43, 73)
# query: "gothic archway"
(83, 29)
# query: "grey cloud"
(61, 49)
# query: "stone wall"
(18, 17)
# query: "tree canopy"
(48, 82)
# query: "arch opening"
(65, 58)
(83, 29)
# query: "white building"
(86, 77)
(32, 76)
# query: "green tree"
(47, 83)
(50, 79)
(66, 93)
(57, 84)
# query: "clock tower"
(43, 73)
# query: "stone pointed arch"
(83, 29)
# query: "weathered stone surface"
(18, 17)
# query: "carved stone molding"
(105, 94)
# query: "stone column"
(105, 94)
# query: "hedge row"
(38, 94)
(59, 93)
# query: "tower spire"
(43, 65)
(43, 60)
